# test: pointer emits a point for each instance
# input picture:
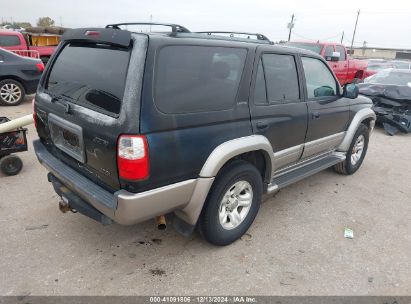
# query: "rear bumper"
(123, 207)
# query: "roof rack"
(175, 28)
(258, 36)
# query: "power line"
(303, 37)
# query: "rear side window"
(197, 78)
(9, 40)
(281, 78)
(91, 75)
(341, 49)
(329, 50)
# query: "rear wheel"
(356, 152)
(11, 164)
(11, 92)
(232, 203)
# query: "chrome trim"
(272, 188)
(355, 123)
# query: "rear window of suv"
(193, 79)
(9, 40)
(91, 75)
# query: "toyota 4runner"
(135, 125)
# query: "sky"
(381, 23)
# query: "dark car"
(18, 76)
(390, 91)
(376, 65)
(136, 125)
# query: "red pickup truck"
(346, 69)
(19, 43)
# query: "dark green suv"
(136, 125)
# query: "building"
(385, 53)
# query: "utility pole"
(342, 37)
(353, 35)
(151, 21)
(61, 22)
(290, 26)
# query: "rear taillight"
(40, 66)
(132, 157)
(34, 113)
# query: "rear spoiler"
(99, 35)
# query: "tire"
(11, 92)
(353, 160)
(237, 177)
(11, 165)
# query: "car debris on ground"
(390, 91)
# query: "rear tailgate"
(88, 96)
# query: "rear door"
(328, 111)
(82, 106)
(277, 108)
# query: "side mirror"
(351, 91)
(335, 56)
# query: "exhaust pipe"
(64, 206)
(161, 222)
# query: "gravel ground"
(295, 247)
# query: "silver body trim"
(234, 147)
(192, 210)
(302, 163)
(133, 208)
(287, 156)
(359, 117)
(322, 144)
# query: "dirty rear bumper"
(123, 207)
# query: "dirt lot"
(295, 247)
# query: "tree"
(45, 21)
(16, 25)
(23, 24)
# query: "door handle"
(316, 115)
(262, 125)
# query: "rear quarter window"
(9, 40)
(90, 75)
(193, 79)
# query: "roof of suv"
(113, 34)
(229, 41)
